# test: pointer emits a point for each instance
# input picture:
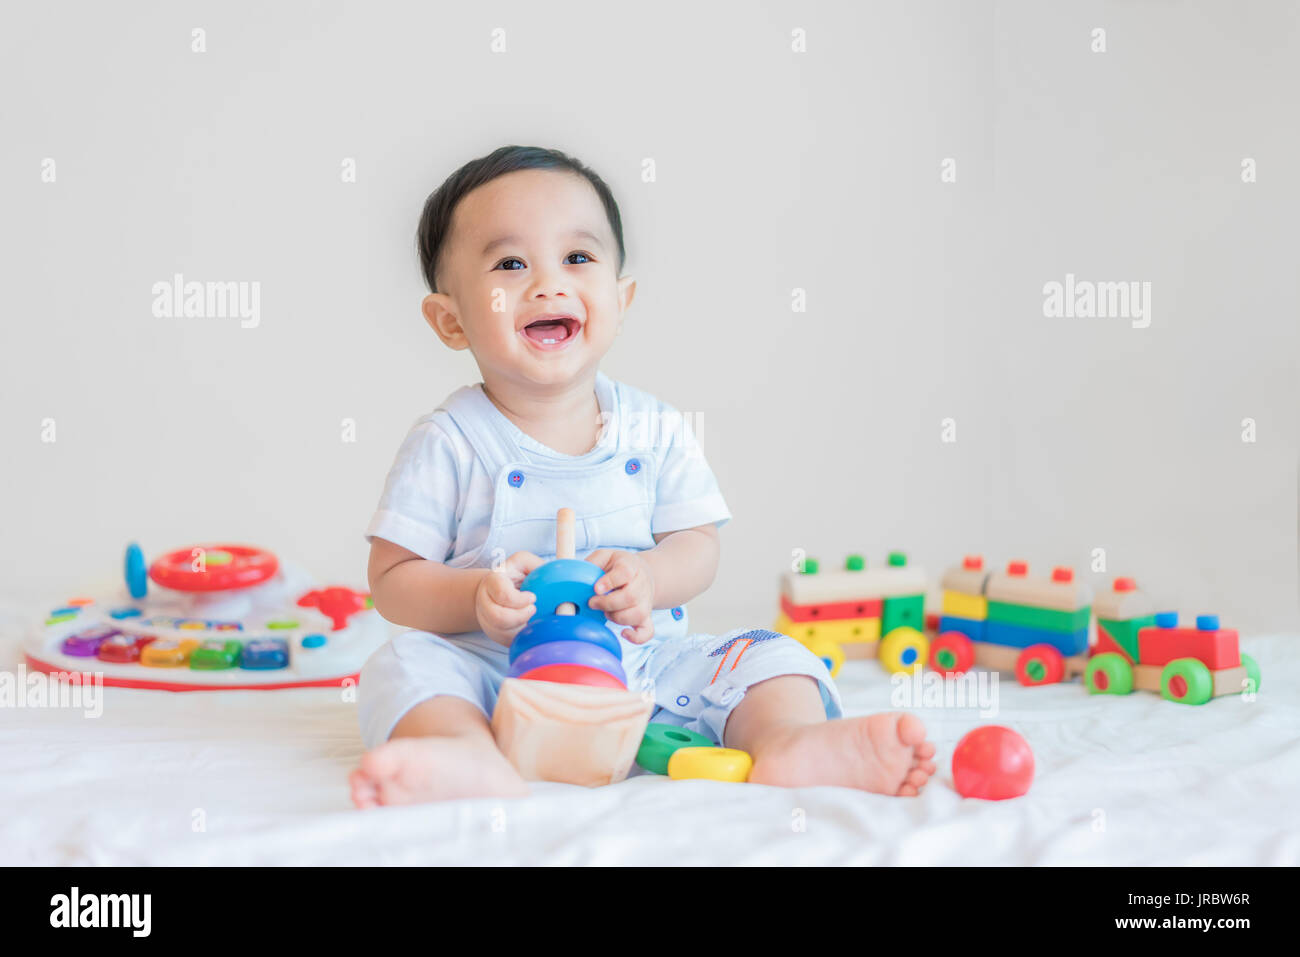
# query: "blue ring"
(561, 580)
(550, 628)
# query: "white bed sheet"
(238, 777)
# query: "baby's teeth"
(548, 342)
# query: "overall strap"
(484, 426)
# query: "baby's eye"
(585, 257)
(503, 264)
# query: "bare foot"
(416, 770)
(882, 753)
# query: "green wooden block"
(906, 611)
(1125, 633)
(1047, 619)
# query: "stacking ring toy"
(661, 741)
(569, 653)
(565, 580)
(539, 631)
(574, 675)
(224, 567)
(714, 764)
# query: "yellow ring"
(714, 764)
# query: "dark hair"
(435, 221)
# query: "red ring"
(248, 566)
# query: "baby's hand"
(625, 592)
(503, 609)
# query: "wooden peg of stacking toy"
(565, 712)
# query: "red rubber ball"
(993, 763)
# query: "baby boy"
(523, 253)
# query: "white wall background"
(776, 170)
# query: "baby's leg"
(441, 749)
(764, 693)
(423, 704)
(782, 723)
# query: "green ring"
(661, 740)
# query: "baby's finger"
(600, 557)
(629, 616)
(616, 601)
(640, 634)
(523, 563)
(617, 577)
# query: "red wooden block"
(1106, 643)
(1218, 649)
(829, 611)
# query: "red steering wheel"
(219, 567)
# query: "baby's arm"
(428, 596)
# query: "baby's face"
(530, 280)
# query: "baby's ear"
(626, 292)
(437, 309)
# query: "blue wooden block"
(970, 627)
(1020, 636)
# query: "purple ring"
(568, 653)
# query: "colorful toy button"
(854, 563)
(281, 625)
(1207, 622)
(313, 641)
(264, 654)
(167, 652)
(214, 655)
(61, 614)
(713, 764)
(136, 571)
(661, 741)
(1167, 619)
(85, 644)
(1062, 575)
(80, 602)
(808, 566)
(1124, 584)
(120, 613)
(123, 649)
(973, 563)
(1018, 569)
(897, 560)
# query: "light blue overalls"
(696, 680)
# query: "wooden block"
(970, 627)
(1040, 592)
(907, 611)
(1120, 602)
(959, 605)
(1046, 619)
(966, 581)
(1229, 681)
(861, 649)
(866, 608)
(1218, 649)
(846, 586)
(1124, 634)
(575, 734)
(1018, 636)
(1001, 658)
(844, 631)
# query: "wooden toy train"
(1037, 628)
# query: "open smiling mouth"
(551, 332)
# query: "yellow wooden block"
(975, 607)
(840, 630)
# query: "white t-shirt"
(438, 499)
